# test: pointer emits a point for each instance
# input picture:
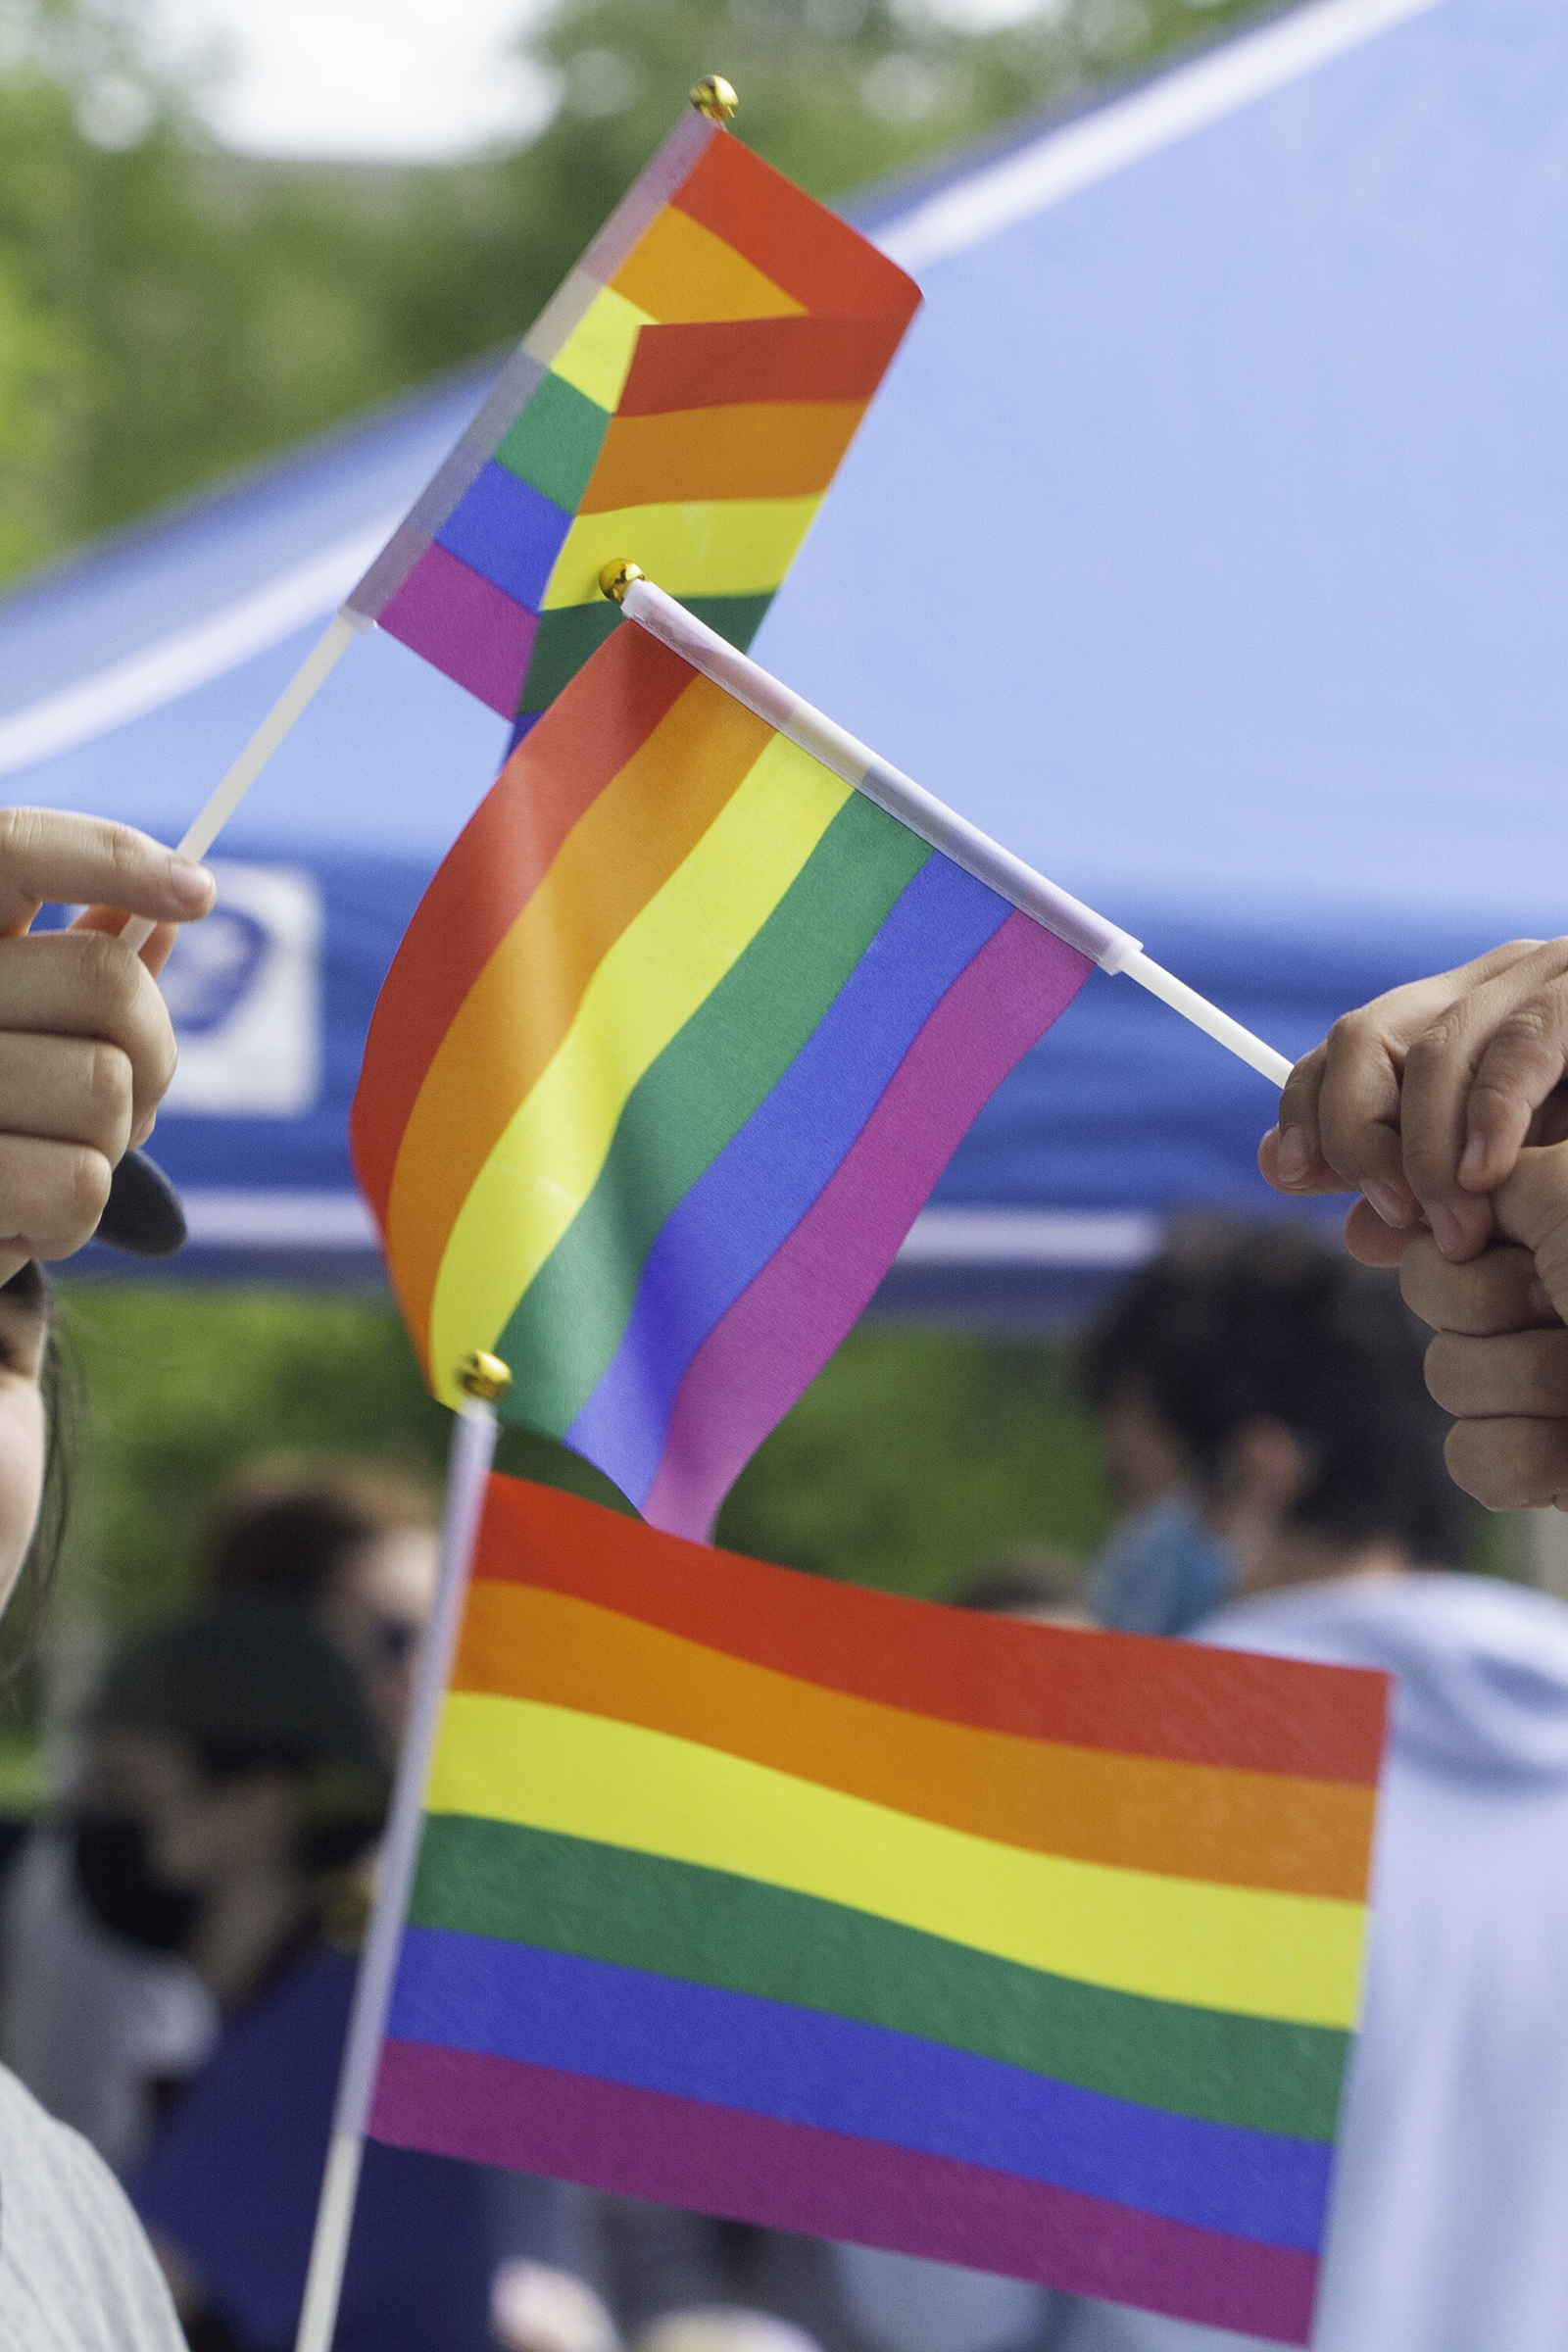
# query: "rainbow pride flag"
(677, 1042)
(689, 392)
(1029, 1949)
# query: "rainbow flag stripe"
(688, 392)
(675, 1049)
(1033, 1950)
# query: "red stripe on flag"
(581, 743)
(791, 238)
(1124, 1692)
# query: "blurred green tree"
(168, 313)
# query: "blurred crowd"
(177, 1938)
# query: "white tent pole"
(312, 673)
(474, 1448)
(1054, 909)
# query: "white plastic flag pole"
(312, 673)
(1055, 909)
(482, 1378)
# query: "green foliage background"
(913, 1456)
(168, 313)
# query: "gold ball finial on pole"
(483, 1377)
(617, 576)
(714, 97)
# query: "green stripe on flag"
(693, 1098)
(555, 441)
(570, 633)
(706, 1927)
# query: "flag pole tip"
(616, 577)
(483, 1376)
(714, 97)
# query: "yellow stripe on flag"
(596, 355)
(1296, 1958)
(719, 547)
(651, 981)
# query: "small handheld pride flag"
(695, 381)
(1029, 1949)
(675, 1047)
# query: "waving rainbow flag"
(676, 1045)
(1029, 1949)
(689, 390)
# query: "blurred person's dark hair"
(1234, 1324)
(282, 1526)
(1025, 1580)
(250, 1687)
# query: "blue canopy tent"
(1205, 546)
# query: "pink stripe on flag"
(780, 1332)
(644, 2143)
(471, 630)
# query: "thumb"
(1532, 1207)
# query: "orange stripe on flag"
(1190, 1821)
(769, 449)
(497, 864)
(639, 829)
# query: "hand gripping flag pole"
(1114, 951)
(482, 1379)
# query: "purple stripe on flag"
(644, 2143)
(775, 1339)
(471, 630)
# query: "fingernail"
(191, 884)
(1473, 1160)
(1446, 1230)
(1294, 1158)
(1388, 1204)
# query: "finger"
(48, 855)
(1523, 1061)
(1357, 1110)
(1497, 1292)
(1369, 1238)
(50, 1195)
(1516, 1374)
(156, 953)
(81, 983)
(1507, 1018)
(1358, 1114)
(1532, 1207)
(68, 1090)
(1509, 1465)
(1289, 1155)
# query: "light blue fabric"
(1160, 1570)
(1446, 2229)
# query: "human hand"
(1423, 1099)
(1500, 1360)
(86, 1047)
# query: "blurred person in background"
(1317, 1455)
(1209, 1321)
(237, 1742)
(1162, 1566)
(101, 2013)
(355, 1544)
(87, 1053)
